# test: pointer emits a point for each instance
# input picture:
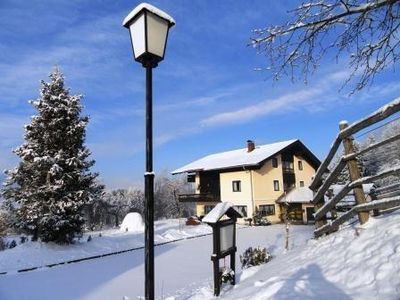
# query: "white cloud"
(312, 98)
(280, 104)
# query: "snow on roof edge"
(150, 8)
(189, 168)
(218, 211)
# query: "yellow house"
(252, 178)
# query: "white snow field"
(181, 267)
(360, 262)
(36, 254)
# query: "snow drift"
(132, 222)
(358, 262)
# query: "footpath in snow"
(360, 262)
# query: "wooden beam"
(324, 166)
(379, 144)
(387, 203)
(332, 203)
(377, 116)
(354, 171)
(329, 180)
(383, 189)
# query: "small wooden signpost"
(222, 218)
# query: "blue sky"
(207, 95)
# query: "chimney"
(250, 145)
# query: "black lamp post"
(148, 27)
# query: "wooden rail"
(384, 197)
(387, 203)
(379, 115)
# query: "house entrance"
(310, 216)
(295, 213)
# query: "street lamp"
(148, 27)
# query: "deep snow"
(358, 262)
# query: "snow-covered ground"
(36, 254)
(360, 262)
(356, 263)
(181, 267)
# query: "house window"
(242, 209)
(236, 185)
(276, 185)
(300, 163)
(301, 183)
(267, 210)
(274, 162)
(208, 208)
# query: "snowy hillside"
(355, 263)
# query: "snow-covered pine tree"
(52, 183)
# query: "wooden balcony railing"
(198, 198)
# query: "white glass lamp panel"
(136, 30)
(226, 237)
(157, 30)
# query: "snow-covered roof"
(297, 195)
(234, 158)
(218, 212)
(150, 8)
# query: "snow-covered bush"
(227, 275)
(3, 223)
(12, 244)
(2, 244)
(254, 257)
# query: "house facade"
(253, 178)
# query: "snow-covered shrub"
(2, 244)
(227, 275)
(254, 257)
(3, 223)
(12, 244)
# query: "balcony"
(287, 167)
(198, 198)
(287, 170)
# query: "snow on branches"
(367, 30)
(52, 183)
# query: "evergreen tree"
(52, 183)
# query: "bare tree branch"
(367, 30)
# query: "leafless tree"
(367, 30)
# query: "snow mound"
(132, 222)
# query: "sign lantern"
(222, 218)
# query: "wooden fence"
(386, 198)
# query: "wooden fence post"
(354, 172)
